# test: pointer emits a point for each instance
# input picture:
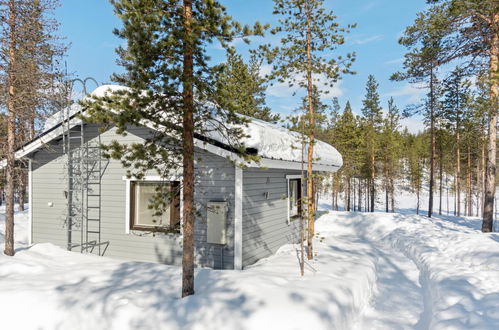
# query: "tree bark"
(22, 189)
(392, 193)
(332, 191)
(490, 171)
(11, 129)
(347, 195)
(441, 170)
(432, 144)
(188, 155)
(470, 193)
(458, 173)
(311, 141)
(373, 189)
(359, 193)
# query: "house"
(84, 202)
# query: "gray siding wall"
(265, 225)
(215, 182)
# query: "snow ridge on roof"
(270, 140)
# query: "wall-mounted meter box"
(217, 223)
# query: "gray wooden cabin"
(255, 206)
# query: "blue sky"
(87, 26)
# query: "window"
(142, 197)
(294, 198)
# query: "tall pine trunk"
(392, 193)
(373, 169)
(458, 173)
(347, 195)
(23, 183)
(490, 171)
(478, 174)
(359, 193)
(11, 130)
(441, 172)
(332, 190)
(468, 183)
(188, 156)
(432, 143)
(311, 141)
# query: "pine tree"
(240, 88)
(421, 65)
(309, 33)
(416, 155)
(29, 51)
(468, 32)
(390, 144)
(457, 97)
(166, 67)
(347, 139)
(372, 113)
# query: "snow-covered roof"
(271, 141)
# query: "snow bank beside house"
(20, 227)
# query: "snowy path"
(398, 300)
(371, 271)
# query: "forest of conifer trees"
(379, 153)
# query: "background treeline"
(379, 154)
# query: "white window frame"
(288, 178)
(128, 182)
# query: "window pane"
(144, 196)
(294, 185)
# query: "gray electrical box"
(217, 223)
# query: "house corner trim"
(238, 219)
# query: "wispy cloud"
(366, 40)
(370, 5)
(395, 61)
(413, 92)
(282, 89)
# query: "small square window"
(143, 217)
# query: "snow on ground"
(20, 228)
(371, 271)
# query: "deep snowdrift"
(371, 271)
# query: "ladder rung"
(93, 195)
(93, 232)
(93, 219)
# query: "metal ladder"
(84, 190)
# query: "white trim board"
(238, 219)
(30, 202)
